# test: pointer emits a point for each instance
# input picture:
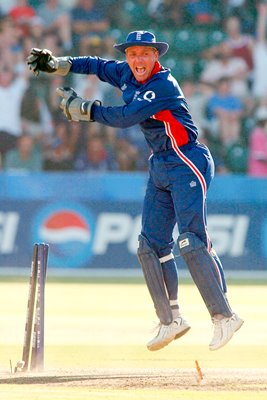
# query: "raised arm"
(106, 70)
(43, 60)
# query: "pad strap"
(166, 258)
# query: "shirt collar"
(155, 70)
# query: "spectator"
(244, 10)
(240, 43)
(200, 12)
(131, 141)
(77, 138)
(22, 14)
(35, 35)
(11, 51)
(224, 112)
(12, 89)
(58, 155)
(94, 157)
(31, 108)
(94, 45)
(129, 157)
(133, 11)
(88, 85)
(257, 164)
(216, 150)
(197, 95)
(122, 17)
(162, 13)
(126, 156)
(87, 21)
(225, 65)
(25, 157)
(30, 23)
(56, 21)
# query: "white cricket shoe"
(224, 330)
(167, 333)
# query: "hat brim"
(162, 47)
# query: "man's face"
(141, 60)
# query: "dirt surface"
(184, 379)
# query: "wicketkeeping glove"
(43, 60)
(74, 107)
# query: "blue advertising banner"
(94, 221)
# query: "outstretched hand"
(68, 94)
(41, 60)
(74, 107)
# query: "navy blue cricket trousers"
(176, 193)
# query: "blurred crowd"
(218, 53)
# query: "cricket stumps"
(33, 346)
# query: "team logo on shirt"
(149, 95)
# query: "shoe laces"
(216, 326)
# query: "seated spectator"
(26, 157)
(225, 65)
(87, 20)
(57, 21)
(94, 157)
(225, 112)
(257, 164)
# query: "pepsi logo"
(68, 228)
(65, 225)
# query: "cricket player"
(180, 172)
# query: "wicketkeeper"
(180, 172)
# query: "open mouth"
(140, 70)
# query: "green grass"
(41, 393)
(97, 326)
